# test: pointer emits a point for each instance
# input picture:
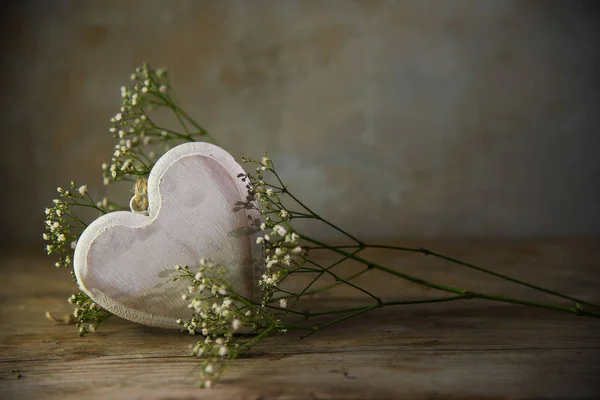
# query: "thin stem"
(351, 246)
(249, 344)
(337, 278)
(320, 275)
(468, 294)
(502, 299)
(346, 317)
(330, 286)
(185, 129)
(484, 270)
(394, 303)
(388, 270)
(318, 217)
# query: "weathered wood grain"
(469, 349)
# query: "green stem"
(327, 287)
(469, 294)
(319, 276)
(484, 270)
(338, 278)
(315, 215)
(394, 303)
(374, 265)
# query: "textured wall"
(395, 119)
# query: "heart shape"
(124, 261)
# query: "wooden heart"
(124, 260)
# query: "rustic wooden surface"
(468, 349)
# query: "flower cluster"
(137, 134)
(63, 226)
(283, 253)
(87, 315)
(218, 313)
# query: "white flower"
(163, 89)
(184, 297)
(82, 190)
(265, 161)
(73, 244)
(269, 192)
(260, 240)
(235, 324)
(126, 165)
(61, 237)
(283, 303)
(279, 251)
(297, 250)
(280, 230)
(222, 351)
(284, 214)
(263, 226)
(118, 117)
(198, 276)
(45, 236)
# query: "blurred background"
(420, 119)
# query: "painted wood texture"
(468, 349)
(123, 259)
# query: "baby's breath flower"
(283, 303)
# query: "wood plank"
(470, 349)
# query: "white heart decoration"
(124, 260)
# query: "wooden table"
(466, 349)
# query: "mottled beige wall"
(393, 118)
